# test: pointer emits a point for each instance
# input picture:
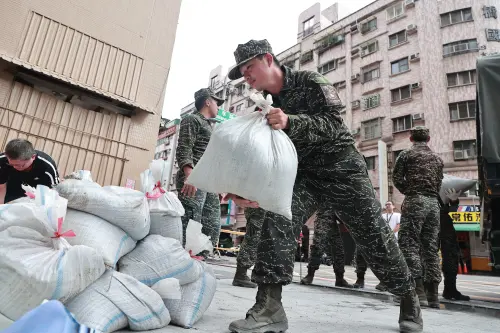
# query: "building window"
(308, 27)
(370, 102)
(213, 82)
(463, 46)
(462, 110)
(401, 124)
(464, 150)
(369, 48)
(290, 64)
(339, 85)
(250, 103)
(369, 26)
(493, 35)
(370, 162)
(397, 38)
(399, 66)
(371, 129)
(238, 107)
(329, 66)
(456, 16)
(461, 78)
(371, 73)
(240, 89)
(490, 12)
(306, 57)
(395, 11)
(400, 94)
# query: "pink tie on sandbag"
(58, 233)
(157, 191)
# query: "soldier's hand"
(452, 194)
(241, 201)
(277, 119)
(188, 190)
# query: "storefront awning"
(467, 226)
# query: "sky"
(209, 31)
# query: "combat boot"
(360, 281)
(241, 278)
(450, 290)
(410, 315)
(381, 287)
(308, 279)
(420, 289)
(431, 290)
(341, 282)
(267, 315)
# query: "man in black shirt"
(21, 164)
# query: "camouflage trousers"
(344, 186)
(360, 262)
(248, 249)
(449, 246)
(418, 236)
(204, 208)
(327, 239)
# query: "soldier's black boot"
(381, 287)
(450, 290)
(341, 282)
(267, 314)
(410, 315)
(431, 290)
(360, 281)
(241, 278)
(308, 279)
(420, 289)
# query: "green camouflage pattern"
(248, 249)
(246, 52)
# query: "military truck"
(488, 145)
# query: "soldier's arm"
(324, 120)
(187, 138)
(398, 174)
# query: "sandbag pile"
(112, 269)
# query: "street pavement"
(317, 310)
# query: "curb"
(479, 307)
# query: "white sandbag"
(458, 183)
(196, 240)
(111, 242)
(246, 157)
(166, 225)
(156, 258)
(116, 301)
(123, 207)
(159, 199)
(168, 288)
(195, 300)
(36, 262)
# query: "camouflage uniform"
(194, 135)
(330, 171)
(248, 249)
(418, 173)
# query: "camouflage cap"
(246, 52)
(419, 133)
(205, 93)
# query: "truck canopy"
(488, 108)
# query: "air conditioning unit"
(409, 3)
(411, 28)
(354, 28)
(363, 52)
(418, 116)
(415, 57)
(458, 155)
(342, 84)
(356, 104)
(341, 60)
(355, 77)
(415, 86)
(355, 132)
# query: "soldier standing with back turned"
(194, 134)
(418, 174)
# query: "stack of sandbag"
(246, 157)
(117, 301)
(36, 261)
(125, 208)
(164, 207)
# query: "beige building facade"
(85, 81)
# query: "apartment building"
(166, 145)
(85, 80)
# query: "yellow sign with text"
(466, 217)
